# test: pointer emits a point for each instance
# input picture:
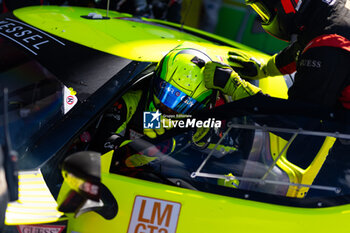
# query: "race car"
(259, 170)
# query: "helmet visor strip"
(174, 98)
(262, 11)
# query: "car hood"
(122, 35)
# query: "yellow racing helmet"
(178, 82)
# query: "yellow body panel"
(126, 38)
(203, 212)
(296, 174)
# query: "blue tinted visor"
(174, 98)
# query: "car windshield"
(275, 158)
(35, 96)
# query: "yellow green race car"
(65, 67)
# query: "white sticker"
(69, 99)
(40, 228)
(151, 215)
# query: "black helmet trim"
(276, 29)
(196, 53)
(279, 17)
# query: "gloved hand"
(153, 133)
(222, 77)
(251, 68)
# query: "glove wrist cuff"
(270, 68)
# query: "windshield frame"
(64, 66)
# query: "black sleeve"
(322, 73)
(286, 59)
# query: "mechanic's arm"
(222, 77)
(249, 67)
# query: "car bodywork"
(64, 69)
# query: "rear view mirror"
(82, 172)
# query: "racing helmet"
(178, 86)
(279, 17)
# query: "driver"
(176, 88)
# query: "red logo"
(70, 100)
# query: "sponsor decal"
(310, 63)
(178, 95)
(150, 215)
(40, 228)
(28, 37)
(69, 99)
(151, 120)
